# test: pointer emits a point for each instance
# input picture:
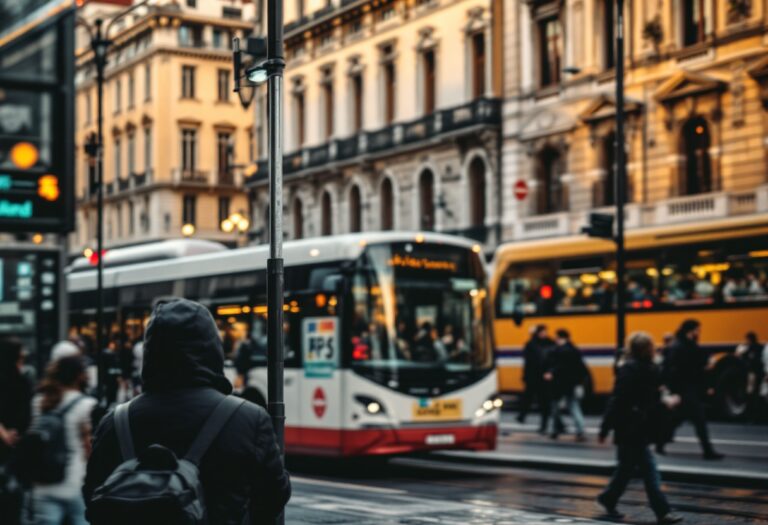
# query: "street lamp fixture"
(236, 221)
(188, 230)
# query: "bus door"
(320, 394)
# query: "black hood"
(182, 348)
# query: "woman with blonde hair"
(630, 415)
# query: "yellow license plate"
(437, 409)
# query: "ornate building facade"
(174, 133)
(392, 118)
(697, 125)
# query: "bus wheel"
(732, 393)
(254, 396)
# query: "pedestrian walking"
(56, 468)
(15, 397)
(685, 375)
(239, 470)
(534, 354)
(630, 416)
(567, 374)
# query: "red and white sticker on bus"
(320, 346)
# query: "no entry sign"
(318, 402)
(521, 190)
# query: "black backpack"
(156, 486)
(43, 453)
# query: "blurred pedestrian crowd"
(185, 449)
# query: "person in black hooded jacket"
(242, 473)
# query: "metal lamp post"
(620, 183)
(100, 46)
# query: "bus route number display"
(320, 345)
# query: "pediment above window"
(603, 108)
(686, 84)
(544, 123)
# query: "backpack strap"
(123, 430)
(212, 427)
(62, 410)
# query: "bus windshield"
(419, 307)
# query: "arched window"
(326, 209)
(387, 205)
(427, 200)
(355, 213)
(298, 219)
(697, 173)
(604, 193)
(477, 192)
(550, 197)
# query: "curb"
(713, 476)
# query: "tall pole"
(621, 181)
(276, 65)
(100, 57)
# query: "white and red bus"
(388, 340)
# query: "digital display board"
(36, 120)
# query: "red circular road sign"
(521, 190)
(318, 402)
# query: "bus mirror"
(517, 317)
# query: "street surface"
(441, 489)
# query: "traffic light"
(91, 146)
(600, 225)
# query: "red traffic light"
(93, 258)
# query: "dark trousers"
(692, 409)
(540, 394)
(631, 457)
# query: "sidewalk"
(745, 447)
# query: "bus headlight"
(372, 406)
(488, 406)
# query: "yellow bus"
(715, 272)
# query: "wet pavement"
(429, 490)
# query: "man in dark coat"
(242, 473)
(534, 354)
(685, 375)
(630, 415)
(565, 370)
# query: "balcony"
(123, 184)
(187, 176)
(386, 140)
(678, 210)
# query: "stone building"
(392, 118)
(174, 133)
(697, 126)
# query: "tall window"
(147, 150)
(357, 102)
(119, 219)
(698, 166)
(427, 200)
(118, 159)
(88, 109)
(188, 210)
(428, 76)
(131, 153)
(131, 218)
(118, 94)
(389, 83)
(327, 89)
(609, 51)
(223, 144)
(355, 209)
(300, 9)
(478, 65)
(298, 105)
(187, 81)
(224, 203)
(549, 193)
(223, 85)
(217, 38)
(147, 81)
(550, 51)
(131, 91)
(326, 210)
(145, 218)
(694, 23)
(477, 192)
(298, 219)
(387, 205)
(605, 190)
(188, 151)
